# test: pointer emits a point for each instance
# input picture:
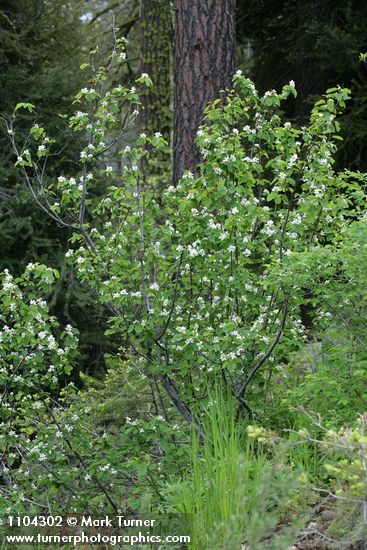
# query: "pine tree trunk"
(205, 61)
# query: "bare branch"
(266, 355)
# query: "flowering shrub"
(57, 450)
(207, 284)
(35, 355)
(32, 359)
(328, 375)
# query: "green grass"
(233, 492)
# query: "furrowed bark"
(205, 60)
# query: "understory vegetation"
(235, 303)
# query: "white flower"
(193, 252)
(51, 342)
(144, 75)
(143, 135)
(292, 159)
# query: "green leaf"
(28, 106)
